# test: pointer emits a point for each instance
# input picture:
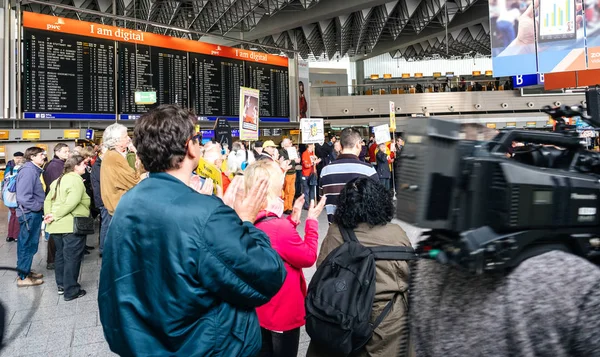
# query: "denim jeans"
(309, 191)
(105, 222)
(385, 183)
(69, 254)
(29, 239)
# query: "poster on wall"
(249, 117)
(303, 90)
(312, 131)
(560, 36)
(513, 37)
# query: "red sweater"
(286, 311)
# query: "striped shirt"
(337, 174)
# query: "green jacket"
(71, 201)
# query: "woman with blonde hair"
(281, 318)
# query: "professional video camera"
(488, 205)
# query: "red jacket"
(286, 311)
(372, 150)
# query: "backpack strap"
(348, 235)
(394, 253)
(384, 313)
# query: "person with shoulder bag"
(357, 300)
(68, 221)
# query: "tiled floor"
(40, 323)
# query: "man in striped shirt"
(347, 167)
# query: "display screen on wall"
(215, 85)
(66, 73)
(70, 72)
(147, 68)
(273, 84)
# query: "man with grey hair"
(116, 176)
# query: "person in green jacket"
(65, 200)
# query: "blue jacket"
(182, 274)
(30, 193)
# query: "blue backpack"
(9, 190)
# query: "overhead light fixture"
(253, 49)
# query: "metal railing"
(425, 86)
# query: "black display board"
(215, 85)
(68, 73)
(146, 68)
(273, 83)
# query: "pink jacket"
(286, 311)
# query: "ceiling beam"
(288, 20)
(476, 14)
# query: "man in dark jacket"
(30, 200)
(182, 272)
(52, 171)
(104, 215)
(383, 166)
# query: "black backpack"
(341, 293)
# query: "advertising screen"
(557, 19)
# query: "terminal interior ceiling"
(316, 29)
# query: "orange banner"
(90, 29)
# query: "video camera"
(490, 205)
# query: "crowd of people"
(194, 267)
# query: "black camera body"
(489, 206)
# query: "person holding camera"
(549, 305)
(66, 200)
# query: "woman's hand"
(248, 205)
(297, 209)
(208, 187)
(315, 211)
(49, 218)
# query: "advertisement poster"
(512, 31)
(312, 131)
(382, 134)
(591, 19)
(560, 36)
(392, 116)
(303, 90)
(249, 117)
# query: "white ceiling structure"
(316, 29)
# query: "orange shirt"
(307, 165)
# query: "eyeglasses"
(195, 137)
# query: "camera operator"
(547, 306)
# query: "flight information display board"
(84, 70)
(273, 83)
(215, 85)
(147, 68)
(67, 73)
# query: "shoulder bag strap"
(348, 235)
(394, 253)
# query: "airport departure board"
(273, 83)
(215, 85)
(147, 68)
(67, 73)
(81, 70)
